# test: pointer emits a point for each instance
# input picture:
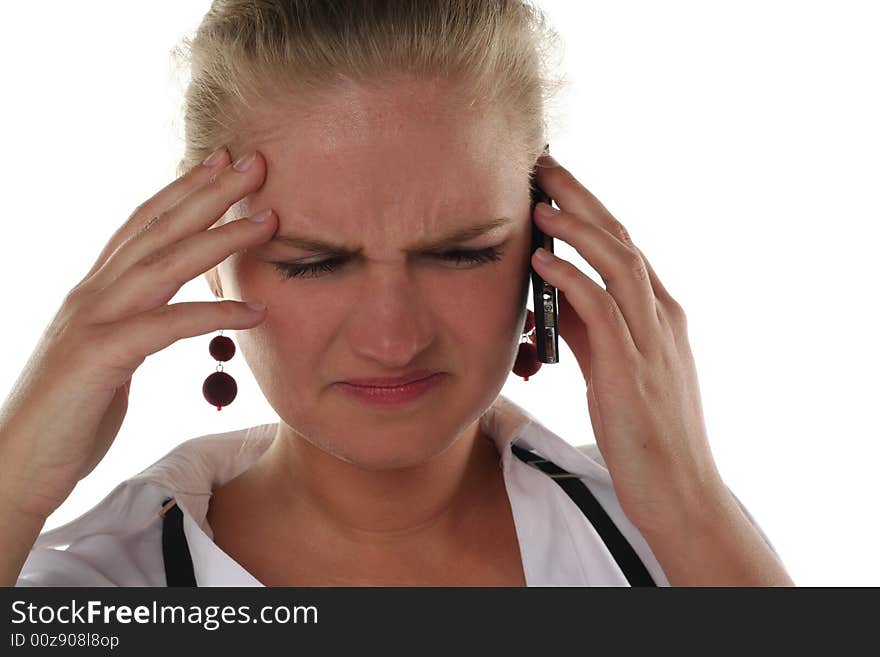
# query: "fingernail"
(244, 163)
(256, 306)
(261, 215)
(545, 211)
(214, 158)
(549, 161)
(543, 255)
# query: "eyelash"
(313, 269)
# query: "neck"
(379, 507)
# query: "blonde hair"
(498, 52)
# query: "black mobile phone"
(544, 294)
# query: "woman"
(354, 143)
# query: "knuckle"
(636, 266)
(223, 178)
(675, 312)
(139, 210)
(74, 297)
(620, 232)
(216, 192)
(648, 385)
(669, 359)
(609, 308)
(228, 186)
(77, 299)
(150, 224)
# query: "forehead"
(353, 111)
(378, 155)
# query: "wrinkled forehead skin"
(403, 160)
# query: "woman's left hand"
(630, 340)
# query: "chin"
(382, 439)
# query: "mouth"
(396, 395)
(391, 382)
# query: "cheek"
(286, 352)
(298, 329)
(483, 314)
(294, 333)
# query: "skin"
(630, 341)
(382, 493)
(347, 494)
(344, 484)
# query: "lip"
(395, 395)
(391, 382)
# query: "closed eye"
(457, 257)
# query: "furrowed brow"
(454, 238)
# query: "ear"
(213, 279)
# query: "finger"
(570, 195)
(620, 266)
(192, 213)
(573, 330)
(609, 336)
(671, 314)
(155, 280)
(169, 195)
(664, 299)
(132, 339)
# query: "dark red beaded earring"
(219, 388)
(527, 363)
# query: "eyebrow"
(452, 239)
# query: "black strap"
(179, 567)
(633, 568)
(175, 551)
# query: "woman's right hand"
(68, 404)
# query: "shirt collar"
(191, 470)
(197, 466)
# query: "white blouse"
(119, 541)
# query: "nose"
(390, 323)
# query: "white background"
(737, 141)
